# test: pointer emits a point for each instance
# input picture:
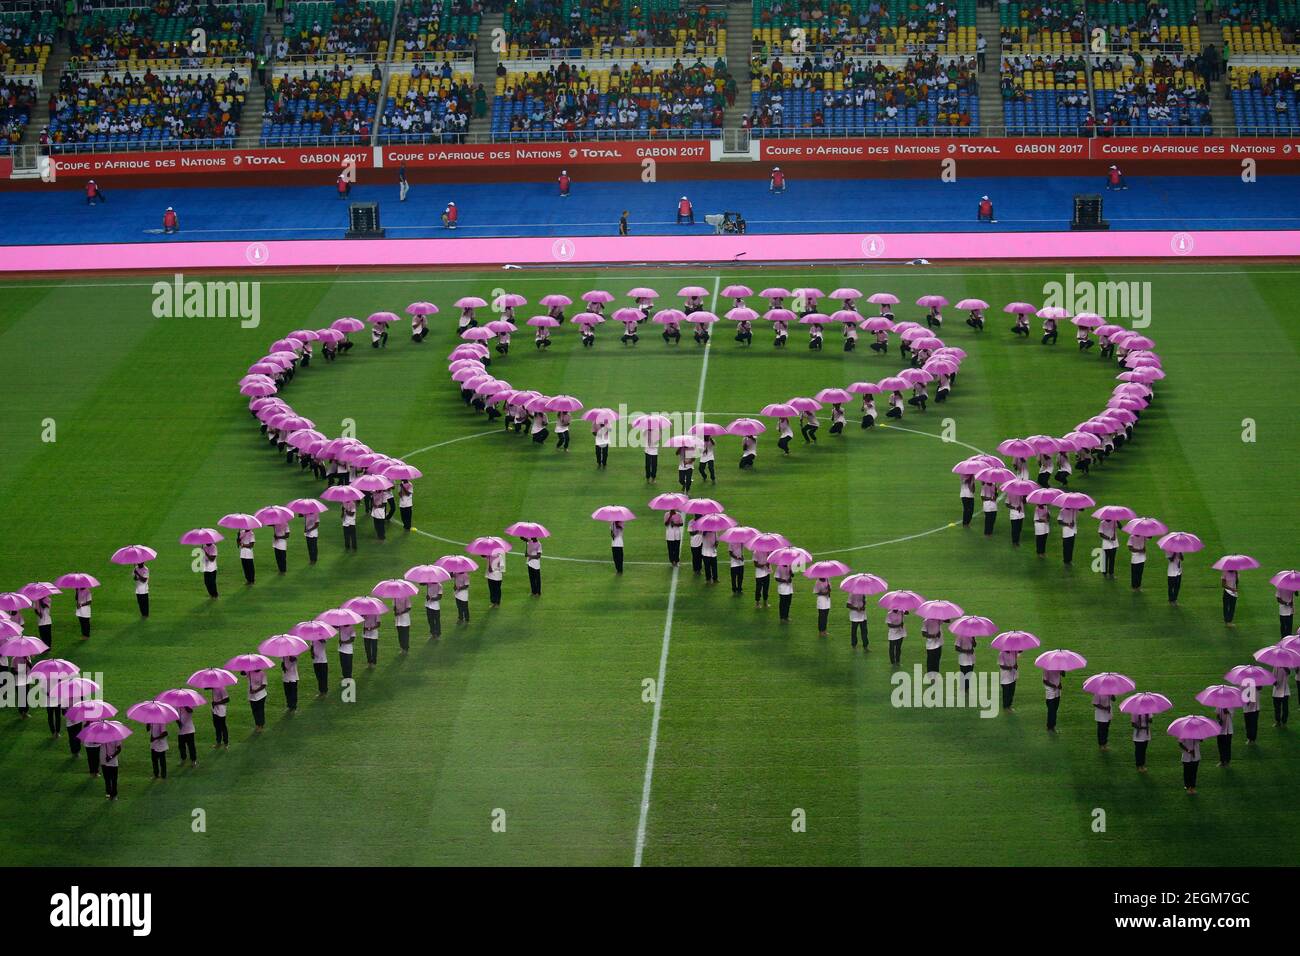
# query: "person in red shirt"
(565, 182)
(986, 210)
(450, 215)
(777, 184)
(93, 195)
(171, 222)
(1115, 179)
(685, 211)
(344, 186)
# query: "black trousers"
(74, 743)
(783, 605)
(896, 651)
(1229, 607)
(322, 671)
(1174, 585)
(1067, 549)
(258, 708)
(494, 591)
(1017, 525)
(407, 515)
(281, 560)
(1284, 622)
(1053, 704)
(697, 559)
(535, 580)
(110, 781)
(711, 569)
(990, 519)
(1103, 732)
(1109, 555)
(684, 476)
(1189, 773)
(747, 461)
(220, 729)
(738, 578)
(783, 443)
(92, 758)
(562, 439)
(823, 619)
(709, 465)
(142, 602)
(1140, 752)
(932, 656)
(250, 570)
(1225, 749)
(462, 610)
(371, 645)
(381, 525)
(967, 510)
(1008, 695)
(158, 760)
(53, 718)
(674, 551)
(291, 694)
(651, 466)
(46, 633)
(311, 549)
(809, 432)
(1281, 709)
(1252, 725)
(1135, 574)
(602, 456)
(856, 628)
(210, 582)
(186, 742)
(434, 617)
(85, 626)
(1040, 543)
(617, 554)
(345, 665)
(349, 537)
(761, 587)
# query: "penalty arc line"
(648, 781)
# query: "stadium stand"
(430, 106)
(430, 27)
(1044, 96)
(1264, 99)
(613, 29)
(336, 105)
(567, 103)
(922, 92)
(162, 35)
(1250, 31)
(17, 98)
(146, 111)
(1167, 94)
(864, 27)
(335, 31)
(26, 38)
(1169, 25)
(1050, 28)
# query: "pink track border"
(991, 246)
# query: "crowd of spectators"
(1045, 24)
(1167, 92)
(348, 27)
(873, 27)
(431, 105)
(427, 26)
(1264, 98)
(542, 27)
(25, 39)
(145, 108)
(165, 31)
(337, 104)
(16, 102)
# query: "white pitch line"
(648, 782)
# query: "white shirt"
(1052, 684)
(1101, 707)
(257, 685)
(1008, 667)
(141, 576)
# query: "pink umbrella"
(1074, 501)
(1060, 660)
(39, 589)
(590, 318)
(1235, 562)
(844, 293)
(742, 314)
(877, 323)
(347, 324)
(1221, 695)
(1019, 487)
(371, 483)
(740, 534)
(814, 318)
(669, 501)
(970, 466)
(863, 388)
(931, 301)
(537, 404)
(14, 601)
(971, 625)
(684, 441)
(314, 630)
(766, 542)
(613, 513)
(938, 611)
(827, 569)
(1288, 580)
(1145, 527)
(599, 415)
(737, 291)
(366, 606)
(274, 514)
(152, 712)
(864, 583)
(394, 588)
(628, 315)
(902, 601)
(847, 316)
(1020, 308)
(834, 396)
(501, 327)
(995, 476)
(968, 304)
(427, 574)
(543, 322)
(809, 293)
(1078, 440)
(104, 732)
(1015, 641)
(703, 506)
(87, 711)
(1053, 312)
(1114, 513)
(882, 298)
(488, 545)
(1044, 496)
(746, 426)
(246, 663)
(556, 299)
(133, 554)
(779, 410)
(692, 291)
(77, 579)
(702, 318)
(594, 296)
(181, 697)
(382, 318)
(421, 308)
(509, 300)
(1086, 320)
(651, 423)
(1109, 682)
(1146, 703)
(479, 333)
(339, 617)
(715, 522)
(780, 315)
(53, 669)
(564, 403)
(211, 677)
(894, 384)
(1179, 542)
(258, 387)
(470, 302)
(789, 557)
(239, 521)
(915, 376)
(711, 429)
(73, 690)
(1017, 448)
(527, 529)
(1245, 674)
(341, 493)
(281, 645)
(1193, 727)
(1274, 656)
(401, 471)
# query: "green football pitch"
(535, 715)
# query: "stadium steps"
(485, 63)
(250, 126)
(54, 66)
(740, 32)
(1221, 112)
(991, 116)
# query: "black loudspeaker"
(1087, 213)
(363, 221)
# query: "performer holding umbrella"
(617, 516)
(216, 679)
(858, 587)
(821, 573)
(155, 716)
(311, 510)
(1224, 698)
(82, 585)
(287, 647)
(459, 567)
(1189, 731)
(184, 699)
(1250, 678)
(1141, 707)
(1009, 645)
(433, 578)
(346, 620)
(1054, 665)
(254, 667)
(347, 497)
(138, 555)
(1229, 567)
(244, 524)
(1139, 530)
(1175, 545)
(316, 633)
(107, 735)
(1104, 688)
